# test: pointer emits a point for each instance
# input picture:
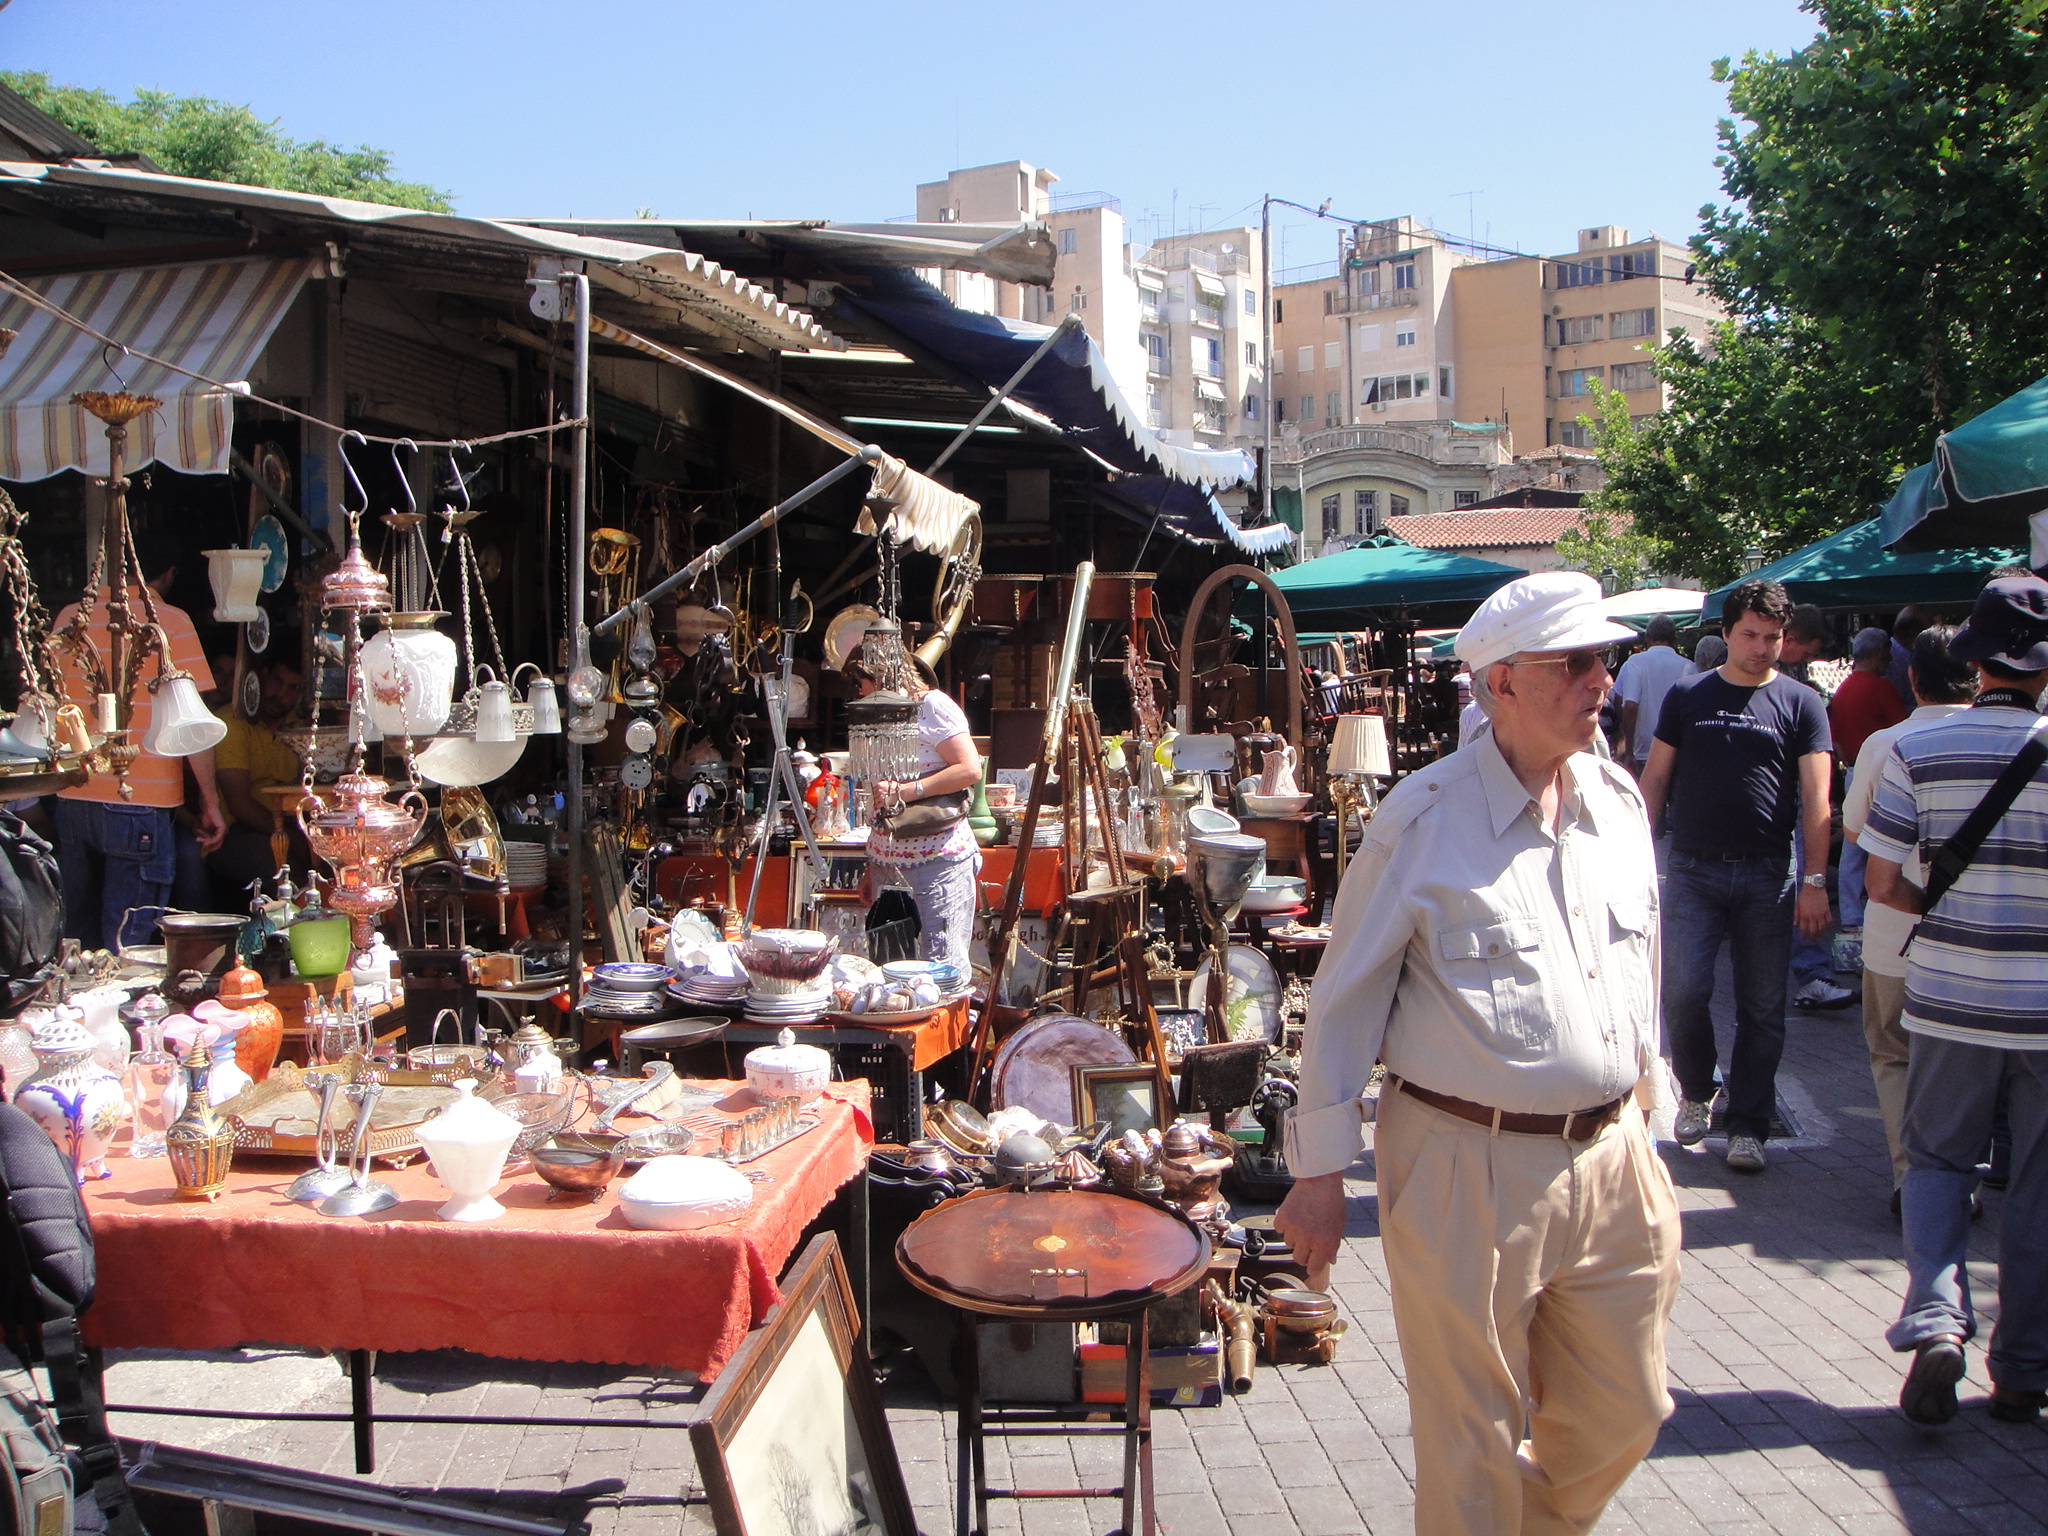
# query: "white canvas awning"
(1208, 389)
(1212, 286)
(213, 318)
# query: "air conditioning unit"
(1379, 405)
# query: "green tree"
(1879, 252)
(1607, 538)
(219, 141)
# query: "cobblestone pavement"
(1786, 1421)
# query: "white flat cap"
(1552, 611)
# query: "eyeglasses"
(1576, 663)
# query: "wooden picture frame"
(791, 1438)
(1126, 1098)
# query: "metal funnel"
(1226, 863)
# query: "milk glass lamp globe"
(493, 712)
(237, 579)
(180, 724)
(409, 670)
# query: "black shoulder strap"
(1947, 866)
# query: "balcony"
(1338, 303)
(1159, 364)
(1175, 258)
(1152, 313)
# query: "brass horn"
(953, 592)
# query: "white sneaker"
(1690, 1128)
(1822, 993)
(1745, 1154)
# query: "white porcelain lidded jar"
(409, 667)
(680, 1194)
(74, 1098)
(467, 1143)
(788, 1070)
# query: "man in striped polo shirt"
(1976, 1011)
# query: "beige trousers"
(1532, 1278)
(1884, 1004)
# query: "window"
(1461, 499)
(1631, 322)
(1305, 359)
(1575, 434)
(1155, 353)
(1579, 274)
(1251, 354)
(1069, 242)
(1333, 406)
(1395, 386)
(1333, 507)
(1629, 377)
(1279, 409)
(1279, 310)
(1211, 354)
(1333, 354)
(1404, 334)
(1577, 381)
(1366, 504)
(1443, 381)
(1397, 506)
(1630, 264)
(1078, 301)
(1279, 359)
(1251, 301)
(1308, 409)
(1155, 406)
(1368, 338)
(1251, 407)
(1404, 274)
(1574, 329)
(1212, 416)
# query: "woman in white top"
(937, 869)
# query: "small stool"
(1053, 1256)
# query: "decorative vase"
(74, 1098)
(151, 1104)
(262, 1036)
(200, 1143)
(467, 1143)
(409, 670)
(224, 1029)
(979, 818)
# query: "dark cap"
(2008, 625)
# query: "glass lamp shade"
(237, 577)
(180, 724)
(409, 678)
(547, 714)
(493, 712)
(1360, 746)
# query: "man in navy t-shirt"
(1739, 751)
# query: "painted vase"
(74, 1098)
(257, 1045)
(200, 1143)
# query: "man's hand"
(1311, 1218)
(1812, 913)
(212, 828)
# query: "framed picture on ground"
(1124, 1098)
(791, 1439)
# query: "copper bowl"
(579, 1163)
(1300, 1311)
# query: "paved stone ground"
(1786, 1393)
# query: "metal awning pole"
(761, 524)
(579, 512)
(996, 399)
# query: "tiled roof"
(1523, 526)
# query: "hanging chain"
(31, 623)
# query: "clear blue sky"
(1551, 116)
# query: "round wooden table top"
(1068, 1254)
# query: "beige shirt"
(1886, 929)
(1479, 953)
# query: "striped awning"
(213, 318)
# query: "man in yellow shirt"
(117, 855)
(250, 759)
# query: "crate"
(897, 1115)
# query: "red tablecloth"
(545, 1281)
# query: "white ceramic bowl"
(1276, 894)
(1206, 818)
(1276, 805)
(681, 1194)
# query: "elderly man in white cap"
(1495, 946)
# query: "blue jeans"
(1849, 894)
(1812, 959)
(1749, 903)
(1952, 1094)
(118, 863)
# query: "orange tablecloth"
(544, 1281)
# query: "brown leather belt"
(1579, 1125)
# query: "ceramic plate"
(1034, 1066)
(1251, 996)
(268, 536)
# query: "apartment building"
(1178, 323)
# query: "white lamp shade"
(1360, 746)
(547, 713)
(180, 724)
(409, 679)
(494, 713)
(237, 576)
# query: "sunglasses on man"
(1576, 663)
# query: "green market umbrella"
(1364, 586)
(1987, 478)
(1853, 569)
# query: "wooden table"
(545, 1281)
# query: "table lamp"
(1358, 755)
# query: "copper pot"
(359, 833)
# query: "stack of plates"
(787, 1007)
(526, 865)
(708, 975)
(598, 998)
(707, 990)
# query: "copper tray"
(1034, 1066)
(1071, 1254)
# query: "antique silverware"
(364, 1195)
(329, 1178)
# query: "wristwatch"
(1818, 882)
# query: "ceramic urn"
(74, 1098)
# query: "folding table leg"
(361, 1381)
(1138, 1426)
